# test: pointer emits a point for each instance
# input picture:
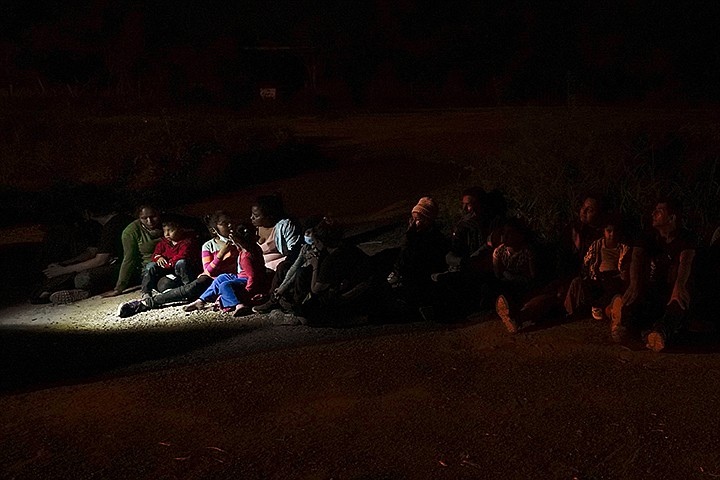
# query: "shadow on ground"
(30, 360)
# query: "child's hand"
(162, 262)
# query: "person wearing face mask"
(292, 284)
(219, 255)
(138, 241)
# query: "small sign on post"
(268, 93)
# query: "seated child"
(174, 258)
(604, 274)
(514, 268)
(237, 292)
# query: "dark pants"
(183, 293)
(652, 313)
(153, 272)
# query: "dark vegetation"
(50, 155)
(632, 157)
(548, 158)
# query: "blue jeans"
(222, 286)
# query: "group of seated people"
(643, 284)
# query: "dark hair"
(312, 222)
(271, 206)
(495, 204)
(212, 220)
(244, 233)
(148, 206)
(600, 199)
(674, 205)
(519, 225)
(329, 232)
(475, 192)
(616, 220)
(97, 201)
(172, 224)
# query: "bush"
(632, 158)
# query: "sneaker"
(439, 277)
(285, 306)
(69, 296)
(268, 306)
(655, 341)
(502, 307)
(128, 309)
(597, 313)
(394, 279)
(617, 331)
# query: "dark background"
(374, 53)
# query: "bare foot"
(196, 305)
(241, 310)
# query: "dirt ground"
(168, 395)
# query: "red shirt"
(184, 249)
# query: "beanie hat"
(427, 207)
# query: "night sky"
(483, 53)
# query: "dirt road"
(464, 402)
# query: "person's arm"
(680, 293)
(131, 255)
(182, 252)
(624, 261)
(87, 254)
(98, 260)
(160, 255)
(315, 285)
(290, 275)
(253, 269)
(498, 267)
(590, 259)
(636, 265)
